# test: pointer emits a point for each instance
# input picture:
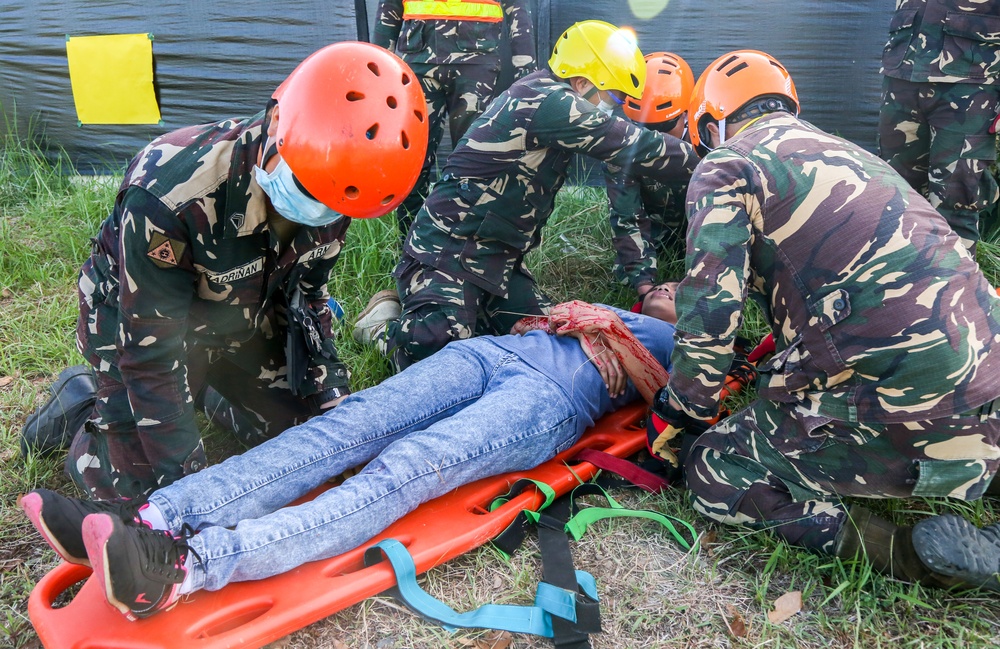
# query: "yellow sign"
(112, 78)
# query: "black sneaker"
(60, 519)
(950, 545)
(140, 569)
(52, 426)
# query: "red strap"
(765, 347)
(634, 474)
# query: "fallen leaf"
(337, 644)
(282, 643)
(734, 622)
(785, 607)
(6, 380)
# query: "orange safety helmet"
(669, 82)
(732, 81)
(352, 127)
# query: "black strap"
(557, 569)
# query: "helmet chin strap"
(722, 131)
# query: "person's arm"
(388, 23)
(606, 330)
(522, 37)
(158, 281)
(326, 371)
(724, 196)
(631, 230)
(566, 121)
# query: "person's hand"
(605, 360)
(580, 317)
(530, 323)
(667, 421)
(333, 403)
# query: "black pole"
(361, 18)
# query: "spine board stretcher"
(255, 613)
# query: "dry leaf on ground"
(785, 607)
(734, 622)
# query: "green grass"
(654, 595)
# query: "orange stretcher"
(254, 613)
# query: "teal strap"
(578, 524)
(535, 619)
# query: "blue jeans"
(468, 412)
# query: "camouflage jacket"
(646, 216)
(951, 41)
(878, 311)
(499, 185)
(446, 42)
(187, 256)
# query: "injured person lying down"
(478, 408)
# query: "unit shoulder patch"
(164, 251)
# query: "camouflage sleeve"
(635, 252)
(721, 199)
(388, 23)
(158, 281)
(522, 37)
(326, 370)
(564, 120)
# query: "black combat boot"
(950, 545)
(53, 426)
(889, 549)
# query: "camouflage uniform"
(458, 63)
(940, 94)
(188, 285)
(647, 221)
(884, 328)
(464, 257)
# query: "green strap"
(578, 524)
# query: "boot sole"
(31, 505)
(952, 546)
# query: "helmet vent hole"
(354, 95)
(635, 80)
(372, 131)
(419, 115)
(664, 72)
(736, 69)
(406, 79)
(374, 68)
(665, 105)
(633, 104)
(390, 102)
(351, 192)
(404, 139)
(726, 62)
(778, 65)
(388, 199)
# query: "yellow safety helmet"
(601, 53)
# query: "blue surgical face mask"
(290, 201)
(606, 107)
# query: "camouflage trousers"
(460, 92)
(935, 135)
(770, 466)
(113, 455)
(439, 307)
